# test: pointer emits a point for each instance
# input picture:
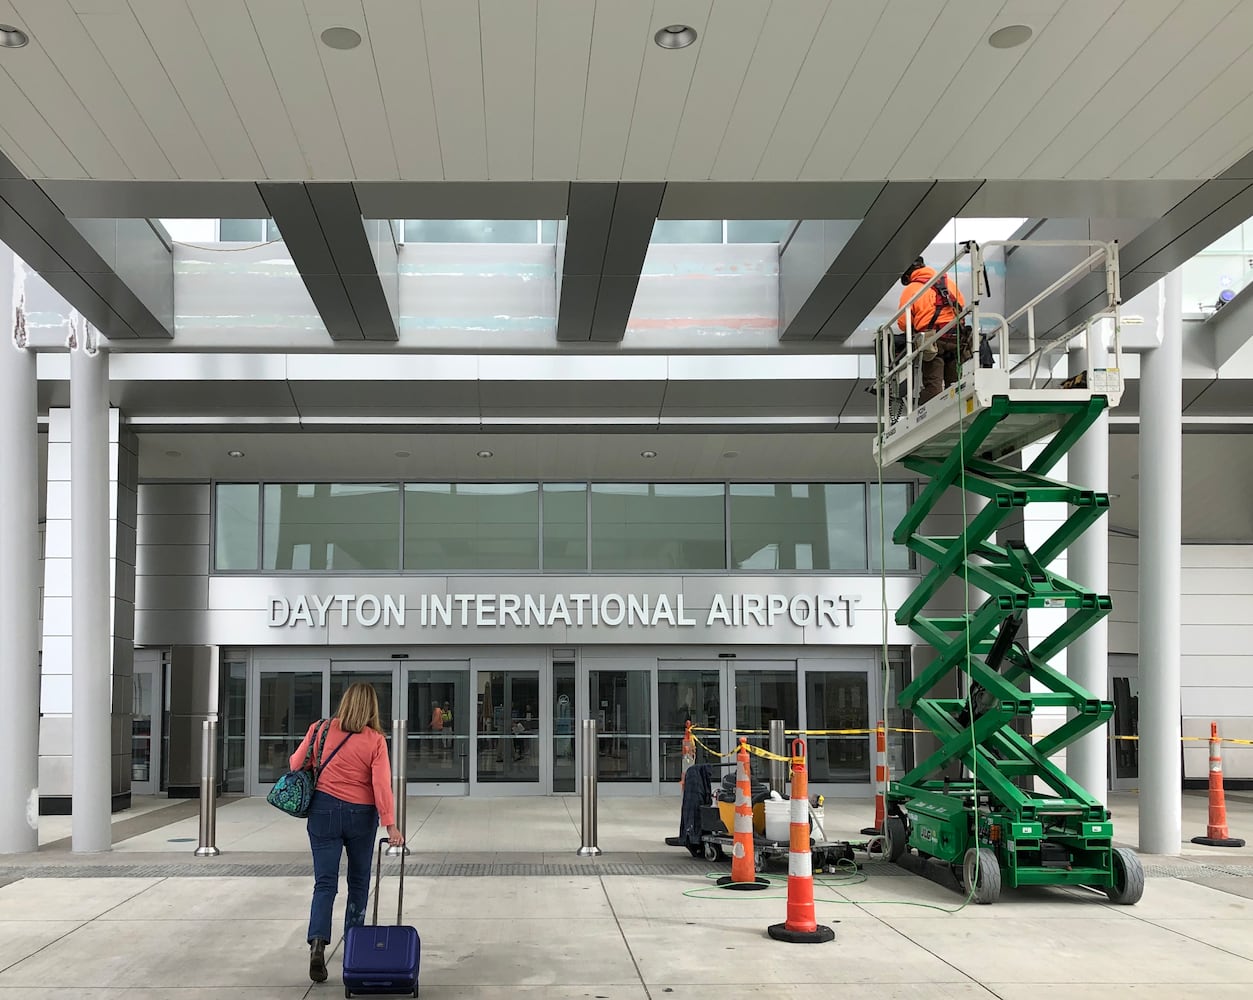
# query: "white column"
(1161, 501)
(19, 584)
(1087, 658)
(89, 557)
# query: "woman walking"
(354, 795)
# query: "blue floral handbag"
(293, 792)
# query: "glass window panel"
(470, 230)
(290, 704)
(687, 231)
(143, 711)
(838, 700)
(563, 726)
(548, 231)
(762, 695)
(241, 230)
(658, 526)
(565, 527)
(798, 526)
(332, 526)
(235, 526)
(622, 707)
(758, 230)
(896, 503)
(1207, 276)
(234, 713)
(471, 526)
(508, 742)
(684, 695)
(439, 726)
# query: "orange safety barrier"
(742, 870)
(801, 926)
(1216, 834)
(689, 752)
(880, 780)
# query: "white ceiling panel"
(509, 41)
(1151, 118)
(80, 63)
(236, 50)
(398, 36)
(1157, 59)
(952, 42)
(781, 49)
(563, 45)
(1231, 134)
(40, 144)
(355, 88)
(821, 81)
(292, 53)
(1072, 87)
(15, 153)
(881, 64)
(122, 44)
(731, 35)
(664, 85)
(455, 55)
(988, 93)
(619, 36)
(34, 70)
(174, 37)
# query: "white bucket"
(778, 819)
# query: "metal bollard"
(400, 781)
(208, 790)
(778, 768)
(588, 734)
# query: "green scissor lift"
(987, 819)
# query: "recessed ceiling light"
(173, 454)
(648, 454)
(235, 453)
(730, 454)
(675, 36)
(1009, 37)
(11, 37)
(402, 454)
(341, 38)
(485, 453)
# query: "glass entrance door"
(288, 701)
(146, 715)
(440, 714)
(839, 700)
(380, 676)
(507, 742)
(687, 690)
(760, 692)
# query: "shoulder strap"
(327, 760)
(313, 751)
(942, 299)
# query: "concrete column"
(89, 557)
(1087, 659)
(1161, 502)
(19, 584)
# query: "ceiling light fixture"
(648, 454)
(12, 38)
(173, 454)
(341, 38)
(675, 36)
(1009, 37)
(730, 454)
(485, 453)
(402, 454)
(235, 453)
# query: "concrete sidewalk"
(94, 927)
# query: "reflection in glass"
(896, 503)
(760, 696)
(290, 703)
(563, 726)
(565, 527)
(234, 714)
(508, 726)
(658, 526)
(621, 705)
(471, 526)
(684, 695)
(838, 700)
(439, 726)
(235, 523)
(798, 526)
(332, 526)
(143, 709)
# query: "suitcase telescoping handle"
(378, 883)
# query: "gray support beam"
(601, 252)
(19, 587)
(1231, 327)
(89, 561)
(832, 274)
(348, 265)
(119, 273)
(1161, 551)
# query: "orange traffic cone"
(1216, 832)
(689, 752)
(880, 780)
(801, 926)
(742, 875)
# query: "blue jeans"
(335, 826)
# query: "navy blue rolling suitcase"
(382, 960)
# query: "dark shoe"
(317, 960)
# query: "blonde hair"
(359, 709)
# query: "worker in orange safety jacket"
(933, 310)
